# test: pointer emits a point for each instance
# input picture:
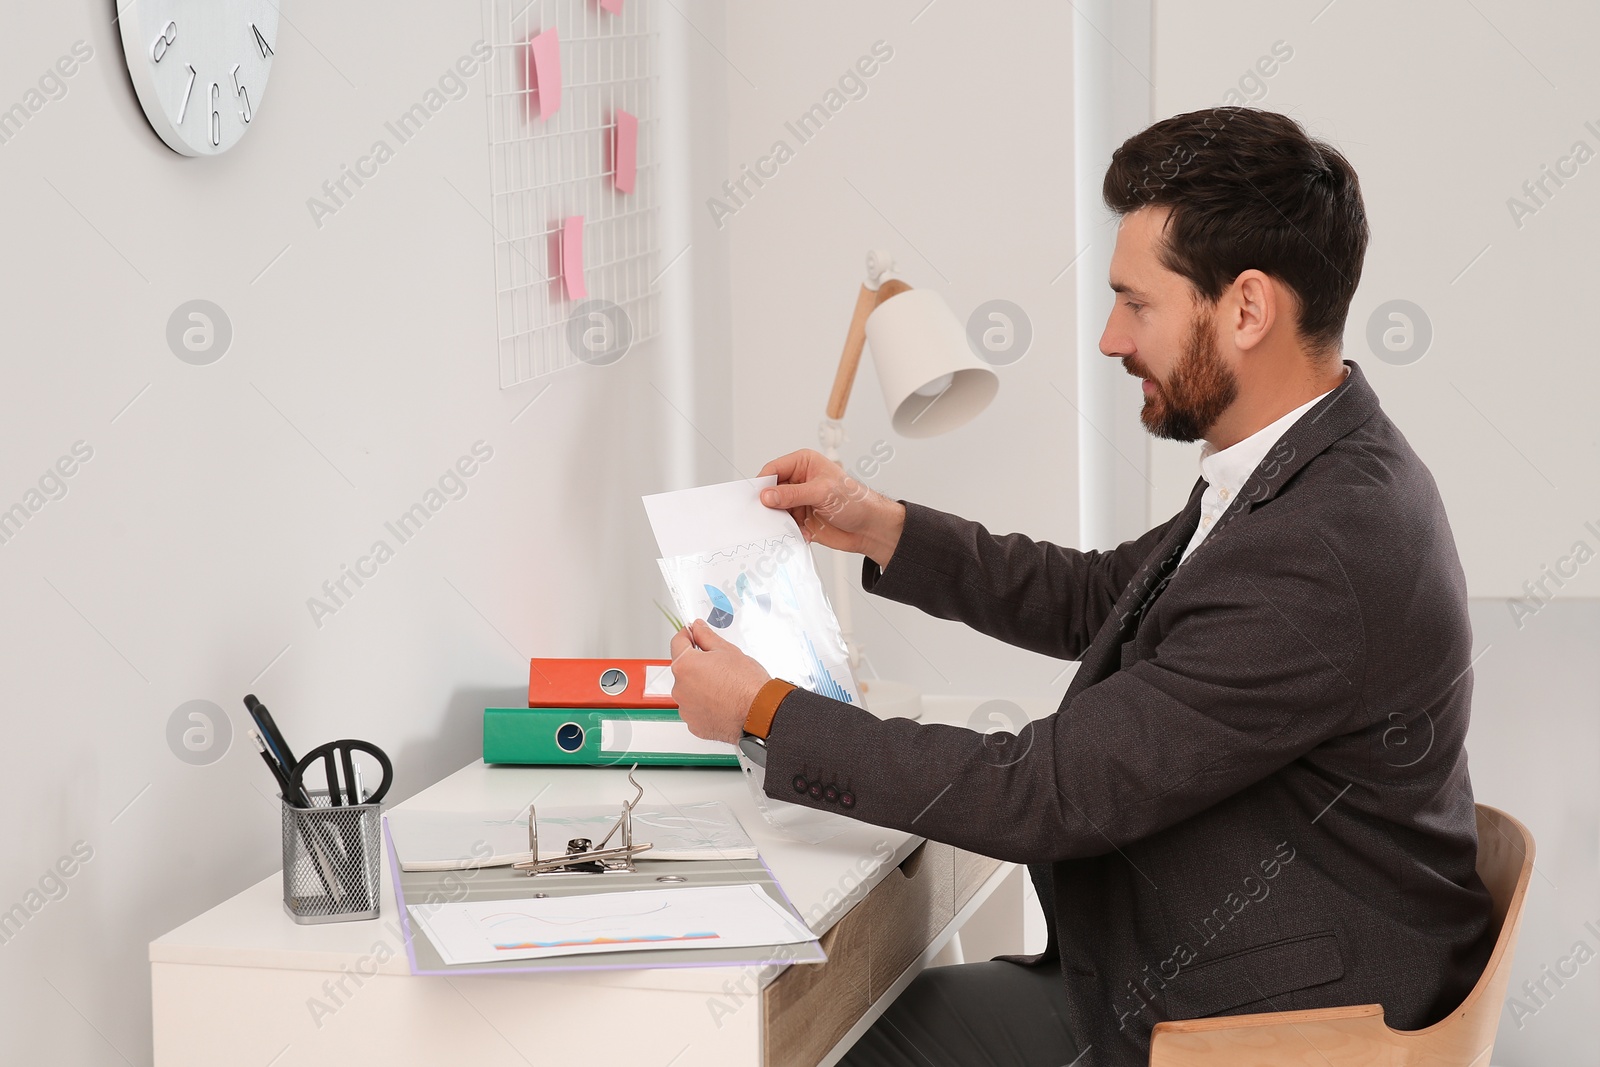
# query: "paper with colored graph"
(745, 569)
(484, 931)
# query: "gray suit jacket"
(1254, 795)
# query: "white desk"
(242, 984)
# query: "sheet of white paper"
(657, 681)
(734, 916)
(711, 516)
(457, 840)
(622, 736)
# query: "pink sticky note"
(543, 74)
(625, 150)
(572, 257)
(613, 6)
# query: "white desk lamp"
(931, 382)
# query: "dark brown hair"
(1250, 189)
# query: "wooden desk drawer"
(806, 1010)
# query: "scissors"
(336, 846)
(341, 773)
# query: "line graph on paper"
(514, 931)
(553, 158)
(728, 916)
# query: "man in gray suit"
(1254, 795)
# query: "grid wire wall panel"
(545, 169)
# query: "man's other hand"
(832, 508)
(713, 684)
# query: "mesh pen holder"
(331, 861)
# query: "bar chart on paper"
(483, 931)
(746, 570)
(826, 684)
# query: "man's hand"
(714, 683)
(832, 508)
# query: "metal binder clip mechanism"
(584, 857)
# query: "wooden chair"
(1344, 1037)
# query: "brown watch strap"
(765, 706)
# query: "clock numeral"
(244, 97)
(188, 91)
(169, 33)
(216, 116)
(261, 42)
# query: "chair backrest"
(1505, 859)
(1356, 1036)
(1505, 863)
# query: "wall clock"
(200, 67)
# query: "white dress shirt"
(1225, 471)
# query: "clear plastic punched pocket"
(746, 570)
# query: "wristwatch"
(754, 749)
(758, 723)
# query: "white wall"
(959, 160)
(1535, 733)
(179, 563)
(1112, 52)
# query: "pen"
(326, 874)
(272, 765)
(269, 729)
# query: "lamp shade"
(931, 381)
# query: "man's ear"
(1257, 300)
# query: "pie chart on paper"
(721, 608)
(742, 588)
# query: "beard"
(1199, 389)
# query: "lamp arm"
(850, 360)
(880, 286)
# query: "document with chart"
(724, 916)
(745, 569)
